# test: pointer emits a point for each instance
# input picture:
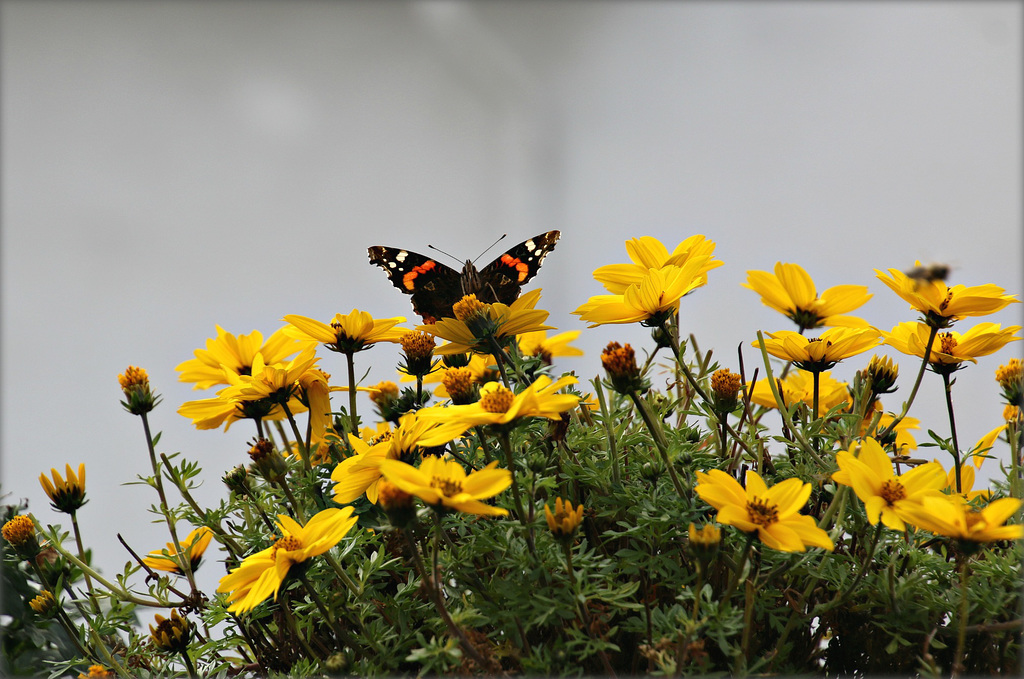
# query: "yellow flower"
(498, 405)
(648, 253)
(316, 396)
(1011, 381)
(66, 494)
(261, 574)
(706, 538)
(361, 473)
(171, 634)
(950, 349)
(564, 521)
(984, 445)
(817, 354)
(884, 494)
(771, 512)
(650, 301)
(444, 484)
(791, 292)
(235, 355)
(194, 545)
(44, 603)
(953, 517)
(135, 386)
(905, 441)
(346, 333)
(538, 343)
(798, 387)
(97, 672)
(20, 533)
(276, 383)
(211, 413)
(470, 333)
(942, 304)
(967, 478)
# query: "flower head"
(791, 292)
(476, 323)
(882, 373)
(624, 374)
(44, 604)
(798, 387)
(538, 344)
(97, 672)
(194, 545)
(941, 304)
(648, 253)
(704, 542)
(650, 301)
(262, 574)
(564, 521)
(140, 398)
(725, 387)
(444, 484)
(1011, 381)
(953, 517)
(418, 348)
(950, 350)
(817, 354)
(172, 634)
(20, 533)
(499, 406)
(346, 333)
(66, 494)
(770, 512)
(226, 352)
(884, 494)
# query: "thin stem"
(303, 450)
(660, 442)
(917, 383)
(351, 362)
(81, 555)
(222, 537)
(961, 635)
(188, 665)
(735, 579)
(299, 514)
(952, 428)
(814, 411)
(606, 420)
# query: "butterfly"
(435, 287)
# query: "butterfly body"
(435, 287)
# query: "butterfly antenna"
(501, 238)
(445, 253)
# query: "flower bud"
(418, 347)
(396, 503)
(725, 386)
(460, 385)
(135, 386)
(171, 634)
(44, 604)
(268, 460)
(620, 364)
(66, 494)
(20, 533)
(564, 521)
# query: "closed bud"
(140, 398)
(268, 460)
(620, 363)
(20, 533)
(44, 604)
(171, 634)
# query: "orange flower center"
(498, 400)
(947, 343)
(893, 491)
(761, 513)
(468, 307)
(287, 543)
(448, 487)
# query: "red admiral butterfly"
(435, 287)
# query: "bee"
(928, 273)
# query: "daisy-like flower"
(1011, 382)
(648, 253)
(951, 516)
(194, 545)
(904, 441)
(798, 387)
(361, 473)
(66, 494)
(172, 634)
(941, 304)
(346, 333)
(818, 354)
(791, 292)
(950, 349)
(236, 355)
(211, 413)
(262, 573)
(884, 494)
(564, 521)
(771, 512)
(499, 406)
(546, 348)
(444, 484)
(651, 301)
(475, 322)
(275, 383)
(967, 478)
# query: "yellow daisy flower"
(953, 517)
(564, 521)
(66, 494)
(651, 301)
(444, 484)
(262, 573)
(942, 304)
(194, 545)
(226, 352)
(538, 343)
(791, 292)
(967, 479)
(771, 512)
(476, 321)
(275, 382)
(648, 253)
(346, 333)
(950, 349)
(798, 387)
(884, 494)
(499, 406)
(817, 354)
(211, 413)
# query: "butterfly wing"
(433, 286)
(507, 274)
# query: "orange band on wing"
(517, 264)
(407, 279)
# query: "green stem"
(613, 450)
(735, 579)
(351, 362)
(222, 536)
(952, 428)
(81, 555)
(814, 410)
(660, 442)
(917, 383)
(961, 635)
(303, 450)
(189, 666)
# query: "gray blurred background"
(168, 166)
